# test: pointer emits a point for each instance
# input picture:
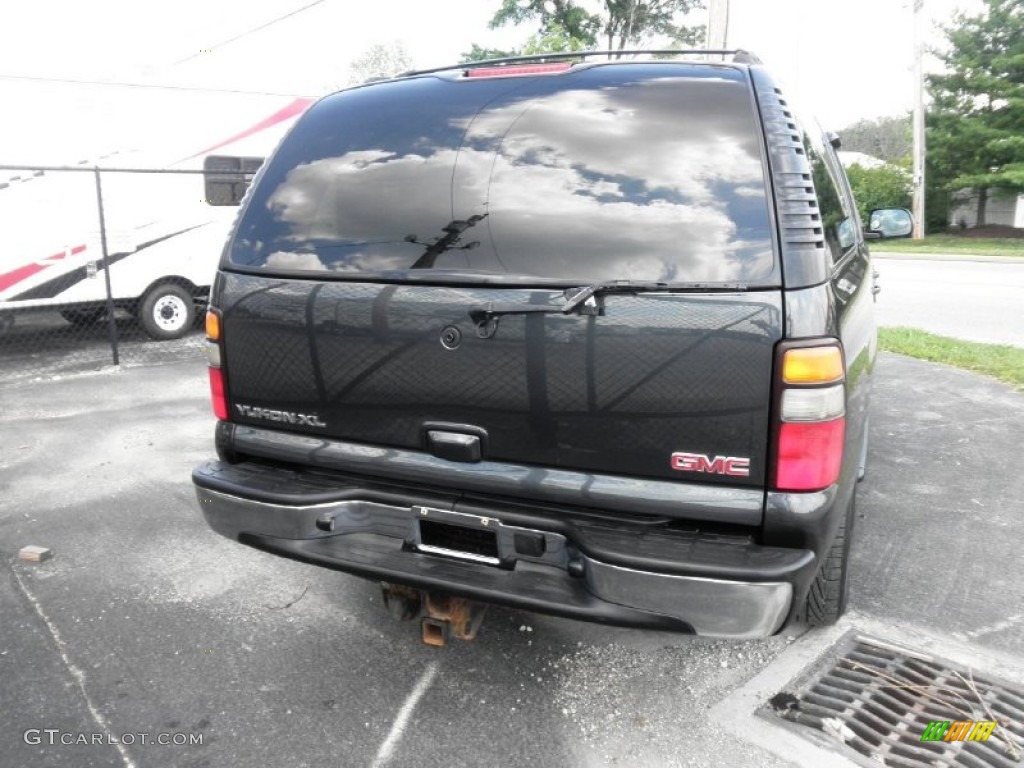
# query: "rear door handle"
(454, 446)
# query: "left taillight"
(810, 417)
(214, 350)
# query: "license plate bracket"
(478, 544)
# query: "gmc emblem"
(720, 465)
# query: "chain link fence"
(108, 266)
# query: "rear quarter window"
(640, 171)
(837, 215)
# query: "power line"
(251, 31)
(159, 86)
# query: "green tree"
(619, 25)
(887, 138)
(884, 187)
(976, 120)
(479, 53)
(554, 39)
(577, 22)
(380, 61)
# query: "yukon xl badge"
(720, 465)
(289, 417)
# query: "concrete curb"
(736, 713)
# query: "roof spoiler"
(739, 56)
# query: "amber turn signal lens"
(812, 365)
(212, 326)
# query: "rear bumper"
(614, 574)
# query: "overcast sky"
(841, 59)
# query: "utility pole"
(919, 141)
(718, 24)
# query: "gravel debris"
(644, 706)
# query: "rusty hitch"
(442, 616)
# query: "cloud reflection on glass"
(611, 173)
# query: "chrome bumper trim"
(713, 607)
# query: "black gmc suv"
(590, 337)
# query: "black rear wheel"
(829, 593)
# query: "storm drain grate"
(879, 699)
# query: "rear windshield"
(649, 172)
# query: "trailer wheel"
(167, 312)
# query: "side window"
(837, 215)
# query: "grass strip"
(1000, 361)
(953, 244)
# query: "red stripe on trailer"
(297, 107)
(7, 279)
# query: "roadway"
(975, 300)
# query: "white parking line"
(76, 673)
(402, 720)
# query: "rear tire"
(167, 312)
(862, 463)
(829, 593)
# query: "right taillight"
(811, 418)
(218, 392)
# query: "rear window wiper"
(574, 298)
(486, 316)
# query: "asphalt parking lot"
(42, 345)
(146, 622)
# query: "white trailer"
(164, 231)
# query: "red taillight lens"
(810, 454)
(810, 415)
(217, 396)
